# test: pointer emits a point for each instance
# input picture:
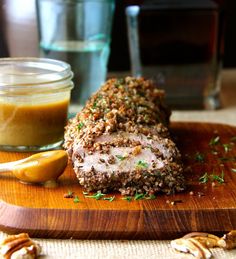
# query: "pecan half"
(192, 246)
(206, 239)
(19, 246)
(228, 241)
(197, 243)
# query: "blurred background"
(209, 37)
(19, 36)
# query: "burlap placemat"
(104, 249)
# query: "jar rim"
(32, 72)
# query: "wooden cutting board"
(209, 207)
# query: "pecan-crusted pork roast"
(120, 141)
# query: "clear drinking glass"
(78, 32)
(179, 45)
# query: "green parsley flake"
(94, 105)
(204, 178)
(233, 170)
(199, 157)
(142, 164)
(214, 141)
(109, 198)
(76, 199)
(219, 179)
(127, 198)
(96, 196)
(80, 125)
(213, 177)
(70, 193)
(139, 196)
(121, 158)
(227, 147)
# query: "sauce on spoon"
(38, 168)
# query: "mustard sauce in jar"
(34, 100)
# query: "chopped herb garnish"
(127, 198)
(109, 198)
(142, 164)
(94, 105)
(96, 196)
(80, 125)
(204, 178)
(85, 193)
(139, 196)
(121, 158)
(213, 177)
(76, 199)
(227, 147)
(199, 157)
(233, 170)
(70, 193)
(214, 141)
(219, 179)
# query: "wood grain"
(210, 207)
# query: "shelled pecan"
(18, 247)
(198, 243)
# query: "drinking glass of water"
(77, 32)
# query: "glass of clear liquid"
(78, 32)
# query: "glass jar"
(34, 100)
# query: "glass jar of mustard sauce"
(34, 100)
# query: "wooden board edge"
(131, 225)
